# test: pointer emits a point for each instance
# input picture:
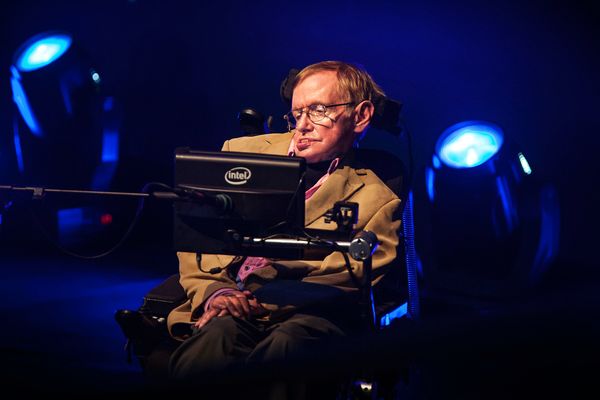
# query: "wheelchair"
(145, 329)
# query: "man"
(232, 325)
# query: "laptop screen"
(228, 196)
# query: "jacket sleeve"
(198, 283)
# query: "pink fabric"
(250, 265)
(215, 295)
(308, 194)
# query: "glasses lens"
(316, 112)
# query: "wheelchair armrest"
(161, 299)
(146, 328)
(138, 326)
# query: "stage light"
(524, 164)
(490, 228)
(41, 50)
(63, 117)
(20, 99)
(469, 144)
(66, 133)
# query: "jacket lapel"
(277, 144)
(340, 185)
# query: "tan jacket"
(379, 210)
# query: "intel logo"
(238, 176)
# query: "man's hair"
(353, 80)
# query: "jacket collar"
(340, 185)
(277, 144)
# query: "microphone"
(363, 245)
(220, 201)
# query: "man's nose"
(303, 124)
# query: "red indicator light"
(106, 219)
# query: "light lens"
(43, 52)
(469, 144)
(524, 164)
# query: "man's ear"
(363, 115)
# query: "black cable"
(289, 207)
(344, 254)
(134, 222)
(216, 270)
(352, 274)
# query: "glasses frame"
(289, 117)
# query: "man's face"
(333, 135)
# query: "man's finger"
(240, 305)
(233, 306)
(244, 304)
(207, 316)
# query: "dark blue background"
(182, 70)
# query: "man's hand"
(239, 304)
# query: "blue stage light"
(63, 118)
(43, 50)
(20, 99)
(18, 150)
(524, 164)
(469, 144)
(491, 227)
(69, 220)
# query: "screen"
(228, 196)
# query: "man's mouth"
(304, 143)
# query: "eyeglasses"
(315, 112)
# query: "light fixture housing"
(60, 116)
(489, 227)
(66, 135)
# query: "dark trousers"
(241, 357)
